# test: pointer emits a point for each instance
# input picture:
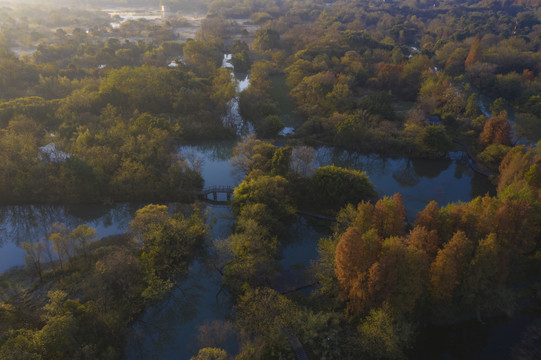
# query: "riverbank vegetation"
(95, 112)
(89, 291)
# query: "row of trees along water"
(110, 133)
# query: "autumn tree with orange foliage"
(447, 270)
(497, 130)
(424, 240)
(355, 254)
(390, 216)
(462, 252)
(474, 55)
(399, 278)
(371, 273)
(429, 216)
(487, 274)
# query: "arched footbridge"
(215, 190)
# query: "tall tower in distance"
(164, 9)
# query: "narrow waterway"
(170, 329)
(233, 118)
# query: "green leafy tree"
(34, 257)
(383, 336)
(82, 236)
(281, 160)
(203, 57)
(265, 313)
(241, 56)
(210, 354)
(168, 243)
(493, 155)
(498, 106)
(253, 154)
(269, 190)
(353, 131)
(434, 141)
(472, 106)
(266, 39)
(270, 126)
(254, 250)
(332, 187)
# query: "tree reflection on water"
(169, 330)
(25, 223)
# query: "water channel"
(169, 330)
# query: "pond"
(419, 181)
(169, 330)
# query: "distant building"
(165, 10)
(51, 154)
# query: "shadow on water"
(430, 168)
(211, 150)
(517, 338)
(169, 330)
(213, 159)
(419, 182)
(301, 241)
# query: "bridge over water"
(215, 190)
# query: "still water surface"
(419, 181)
(169, 331)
